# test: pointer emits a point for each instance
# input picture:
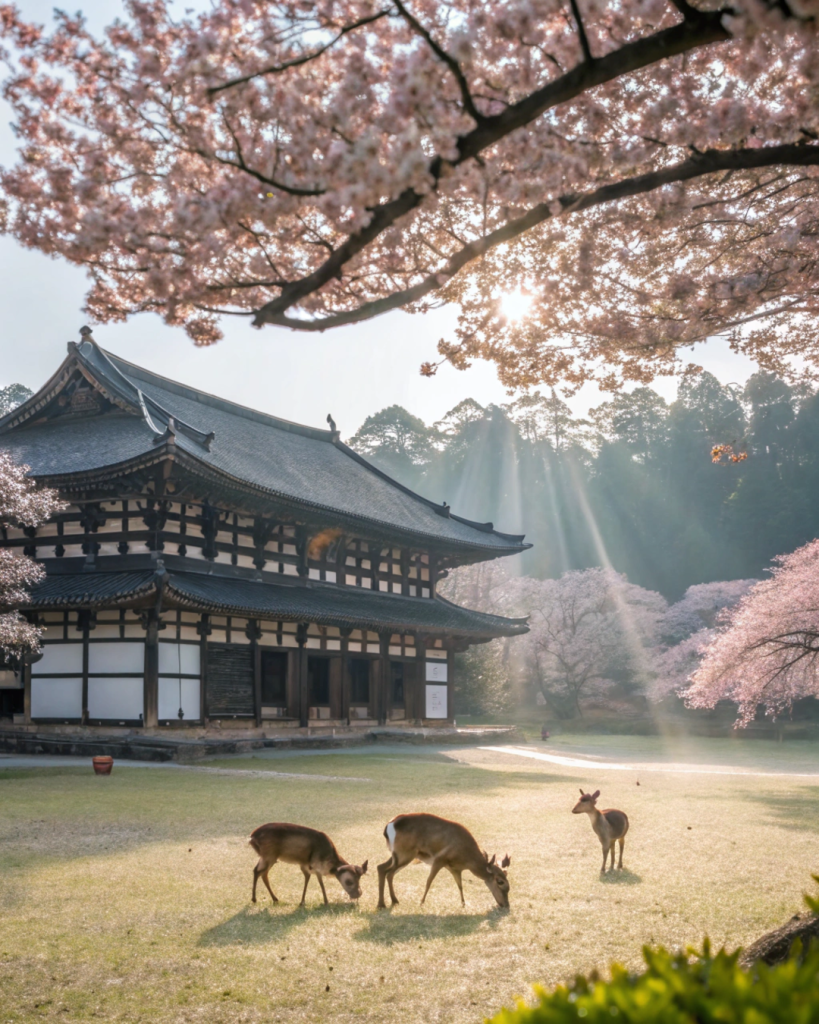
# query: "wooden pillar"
(150, 715)
(303, 696)
(450, 685)
(204, 629)
(253, 632)
(335, 679)
(384, 678)
(25, 668)
(345, 675)
(419, 705)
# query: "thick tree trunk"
(775, 947)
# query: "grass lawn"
(128, 898)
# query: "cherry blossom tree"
(686, 630)
(645, 171)
(21, 504)
(701, 607)
(766, 653)
(589, 629)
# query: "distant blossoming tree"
(588, 629)
(767, 654)
(645, 171)
(701, 606)
(21, 504)
(687, 628)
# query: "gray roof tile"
(297, 463)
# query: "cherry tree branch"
(695, 166)
(277, 69)
(448, 59)
(581, 31)
(702, 30)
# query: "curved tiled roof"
(299, 464)
(313, 602)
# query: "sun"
(515, 305)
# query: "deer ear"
(582, 793)
(494, 857)
(507, 860)
(596, 794)
(363, 869)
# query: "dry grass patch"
(128, 898)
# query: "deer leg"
(267, 883)
(306, 874)
(323, 890)
(382, 874)
(390, 875)
(458, 881)
(260, 871)
(256, 873)
(433, 871)
(622, 844)
(611, 849)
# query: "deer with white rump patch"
(610, 826)
(313, 851)
(441, 844)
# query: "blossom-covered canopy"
(646, 170)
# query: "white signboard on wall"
(436, 672)
(436, 701)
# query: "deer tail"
(254, 843)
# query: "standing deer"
(611, 826)
(314, 853)
(441, 844)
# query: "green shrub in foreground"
(685, 988)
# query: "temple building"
(218, 567)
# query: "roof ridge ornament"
(169, 436)
(335, 433)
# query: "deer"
(610, 826)
(441, 844)
(313, 851)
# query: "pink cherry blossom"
(765, 655)
(21, 504)
(650, 166)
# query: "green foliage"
(634, 484)
(684, 988)
(483, 681)
(12, 396)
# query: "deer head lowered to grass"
(441, 844)
(610, 826)
(312, 850)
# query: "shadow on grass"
(797, 812)
(624, 877)
(389, 930)
(258, 927)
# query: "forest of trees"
(632, 486)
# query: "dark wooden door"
(229, 681)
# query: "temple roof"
(325, 604)
(301, 465)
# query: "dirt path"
(643, 766)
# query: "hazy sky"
(350, 372)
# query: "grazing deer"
(313, 851)
(441, 844)
(611, 826)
